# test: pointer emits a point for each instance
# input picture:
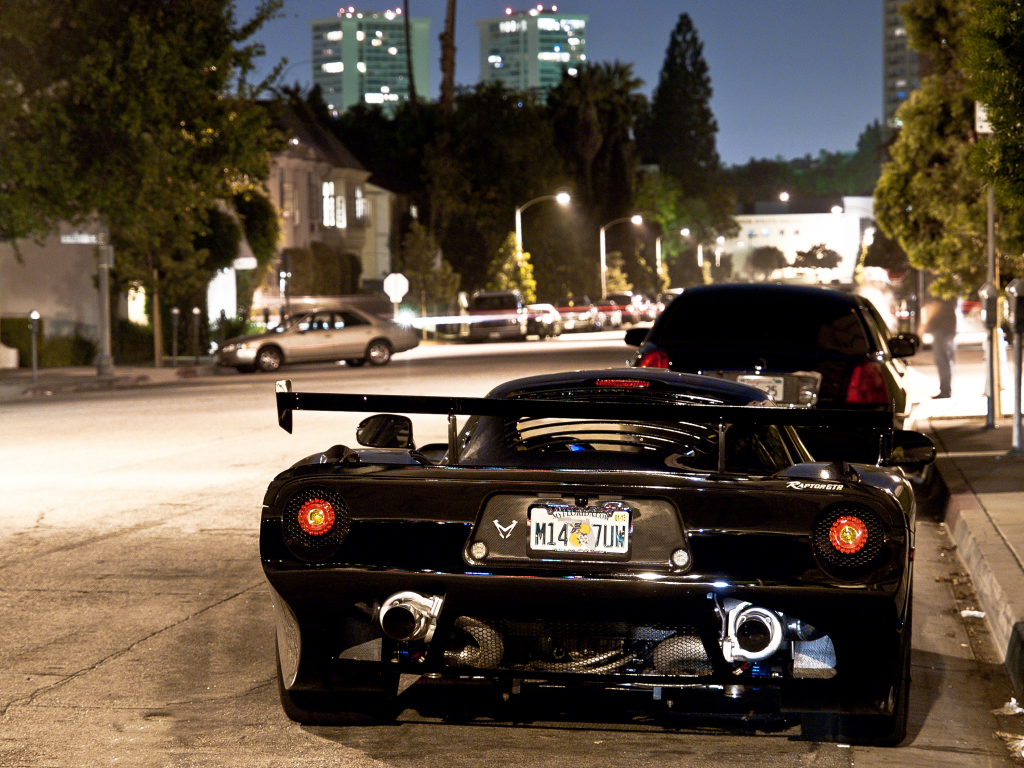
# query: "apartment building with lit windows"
(901, 69)
(532, 50)
(361, 58)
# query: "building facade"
(530, 51)
(901, 67)
(361, 58)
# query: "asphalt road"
(137, 627)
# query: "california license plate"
(601, 529)
(773, 385)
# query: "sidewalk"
(980, 485)
(18, 384)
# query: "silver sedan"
(348, 334)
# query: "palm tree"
(446, 100)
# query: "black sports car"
(628, 530)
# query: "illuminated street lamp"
(637, 220)
(562, 198)
(33, 327)
(685, 232)
(784, 197)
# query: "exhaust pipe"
(750, 633)
(407, 616)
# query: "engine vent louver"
(316, 521)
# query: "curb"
(995, 572)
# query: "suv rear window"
(494, 303)
(763, 321)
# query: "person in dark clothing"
(941, 324)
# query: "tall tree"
(147, 108)
(447, 95)
(994, 62)
(930, 198)
(680, 133)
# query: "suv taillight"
(656, 358)
(867, 385)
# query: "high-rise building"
(901, 70)
(360, 58)
(532, 50)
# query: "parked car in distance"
(324, 335)
(496, 315)
(543, 320)
(630, 311)
(658, 537)
(804, 345)
(578, 314)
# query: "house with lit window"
(335, 224)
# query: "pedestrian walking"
(940, 322)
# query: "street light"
(33, 326)
(562, 198)
(637, 220)
(685, 232)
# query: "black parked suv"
(806, 346)
(497, 315)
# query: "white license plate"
(773, 385)
(589, 530)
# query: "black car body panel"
(553, 543)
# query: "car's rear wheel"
(339, 706)
(379, 352)
(269, 359)
(875, 730)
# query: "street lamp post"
(175, 315)
(562, 198)
(637, 220)
(33, 327)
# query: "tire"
(269, 359)
(872, 730)
(355, 362)
(379, 352)
(339, 707)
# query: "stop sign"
(396, 285)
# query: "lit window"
(329, 211)
(333, 67)
(340, 215)
(360, 204)
(361, 66)
(360, 35)
(336, 35)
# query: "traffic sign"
(396, 285)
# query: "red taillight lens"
(654, 359)
(867, 385)
(316, 517)
(848, 534)
(623, 383)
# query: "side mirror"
(635, 336)
(904, 345)
(385, 430)
(911, 451)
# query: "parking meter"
(989, 296)
(1015, 306)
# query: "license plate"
(598, 530)
(773, 385)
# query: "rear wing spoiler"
(880, 422)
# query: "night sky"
(789, 77)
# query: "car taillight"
(656, 358)
(316, 517)
(848, 541)
(848, 534)
(867, 385)
(315, 523)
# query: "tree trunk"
(413, 98)
(446, 100)
(158, 328)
